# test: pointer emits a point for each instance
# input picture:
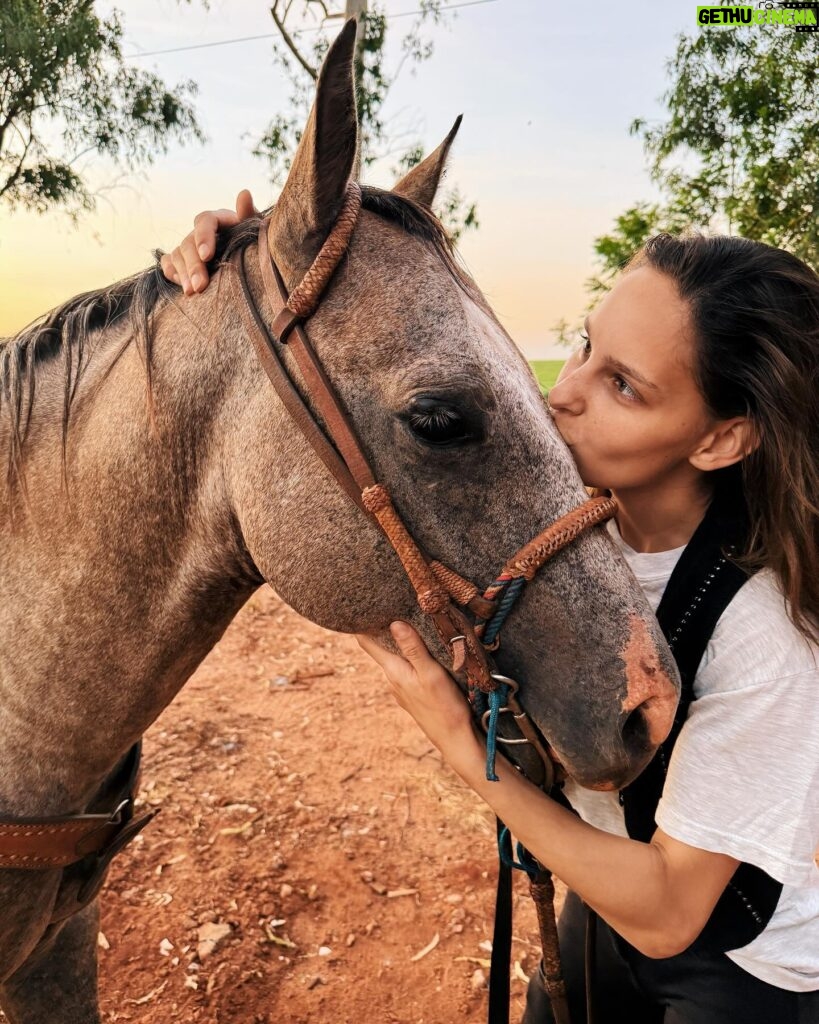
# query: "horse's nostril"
(651, 695)
(635, 731)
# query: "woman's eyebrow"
(629, 371)
(622, 368)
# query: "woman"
(693, 400)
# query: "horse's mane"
(67, 328)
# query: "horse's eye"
(439, 423)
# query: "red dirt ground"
(302, 809)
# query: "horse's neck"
(111, 597)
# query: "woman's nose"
(567, 393)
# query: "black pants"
(692, 988)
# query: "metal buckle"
(511, 683)
(116, 814)
(513, 688)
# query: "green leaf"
(66, 90)
(738, 150)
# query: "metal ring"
(511, 683)
(502, 739)
(116, 814)
(452, 639)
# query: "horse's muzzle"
(627, 737)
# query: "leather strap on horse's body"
(542, 891)
(59, 841)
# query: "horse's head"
(453, 423)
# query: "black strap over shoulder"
(701, 587)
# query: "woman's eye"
(625, 389)
(436, 423)
(585, 343)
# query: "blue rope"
(505, 604)
(525, 862)
(497, 701)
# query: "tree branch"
(8, 120)
(312, 72)
(321, 4)
(72, 160)
(16, 174)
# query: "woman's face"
(626, 403)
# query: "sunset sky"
(547, 91)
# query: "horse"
(155, 481)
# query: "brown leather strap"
(468, 654)
(537, 552)
(344, 457)
(59, 841)
(464, 592)
(303, 301)
(432, 597)
(55, 842)
(542, 890)
(319, 387)
(280, 379)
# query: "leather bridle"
(439, 590)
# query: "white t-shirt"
(744, 775)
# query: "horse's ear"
(314, 191)
(421, 183)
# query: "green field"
(546, 371)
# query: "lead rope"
(542, 891)
(504, 592)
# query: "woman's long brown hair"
(755, 313)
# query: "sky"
(547, 91)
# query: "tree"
(66, 90)
(739, 151)
(305, 27)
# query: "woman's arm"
(657, 895)
(185, 265)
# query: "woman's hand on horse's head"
(185, 266)
(423, 688)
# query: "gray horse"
(155, 482)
